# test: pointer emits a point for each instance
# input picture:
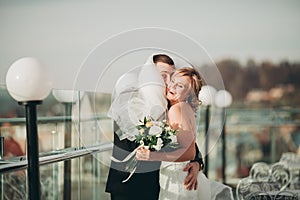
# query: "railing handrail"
(57, 156)
(53, 119)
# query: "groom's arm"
(198, 158)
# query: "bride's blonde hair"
(195, 83)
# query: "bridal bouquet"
(154, 135)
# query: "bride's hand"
(142, 153)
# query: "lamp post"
(206, 96)
(223, 99)
(1, 147)
(28, 83)
(1, 158)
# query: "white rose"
(155, 130)
(173, 138)
(159, 144)
(168, 128)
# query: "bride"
(182, 94)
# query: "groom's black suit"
(144, 183)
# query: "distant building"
(273, 94)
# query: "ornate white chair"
(266, 182)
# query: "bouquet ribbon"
(125, 160)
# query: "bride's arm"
(180, 119)
(186, 152)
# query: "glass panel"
(13, 185)
(254, 135)
(90, 127)
(51, 178)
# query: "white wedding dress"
(172, 187)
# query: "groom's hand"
(191, 181)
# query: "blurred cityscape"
(261, 84)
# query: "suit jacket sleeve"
(198, 158)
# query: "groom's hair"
(163, 58)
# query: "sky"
(62, 33)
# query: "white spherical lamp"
(207, 95)
(223, 99)
(67, 96)
(27, 80)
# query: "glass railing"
(69, 134)
(253, 135)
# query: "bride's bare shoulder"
(179, 107)
(180, 115)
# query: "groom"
(144, 184)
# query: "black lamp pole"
(1, 158)
(223, 145)
(33, 170)
(1, 147)
(68, 143)
(206, 160)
